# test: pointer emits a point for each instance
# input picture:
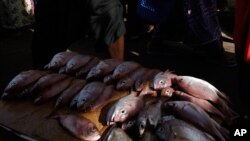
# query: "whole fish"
(103, 68)
(86, 68)
(52, 91)
(149, 116)
(149, 75)
(196, 116)
(124, 109)
(115, 134)
(88, 95)
(162, 80)
(124, 69)
(60, 59)
(23, 80)
(68, 94)
(204, 90)
(80, 127)
(179, 130)
(108, 92)
(204, 104)
(128, 82)
(77, 62)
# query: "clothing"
(60, 23)
(15, 14)
(194, 22)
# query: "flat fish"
(80, 127)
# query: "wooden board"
(29, 119)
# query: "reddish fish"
(193, 114)
(204, 104)
(162, 80)
(60, 59)
(204, 90)
(80, 127)
(68, 94)
(103, 68)
(124, 109)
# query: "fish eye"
(162, 82)
(142, 126)
(161, 129)
(123, 111)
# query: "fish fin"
(224, 97)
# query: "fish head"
(142, 121)
(120, 113)
(128, 124)
(93, 133)
(175, 105)
(168, 92)
(73, 102)
(160, 81)
(124, 84)
(163, 131)
(92, 73)
(82, 100)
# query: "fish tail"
(229, 113)
(224, 97)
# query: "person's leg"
(116, 49)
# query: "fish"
(79, 126)
(196, 116)
(67, 95)
(108, 92)
(62, 70)
(149, 116)
(126, 125)
(125, 108)
(204, 90)
(115, 134)
(204, 104)
(86, 68)
(146, 90)
(87, 95)
(103, 68)
(179, 130)
(149, 75)
(148, 136)
(124, 69)
(128, 82)
(60, 59)
(24, 78)
(162, 80)
(52, 91)
(77, 62)
(22, 81)
(47, 81)
(108, 79)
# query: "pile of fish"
(160, 105)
